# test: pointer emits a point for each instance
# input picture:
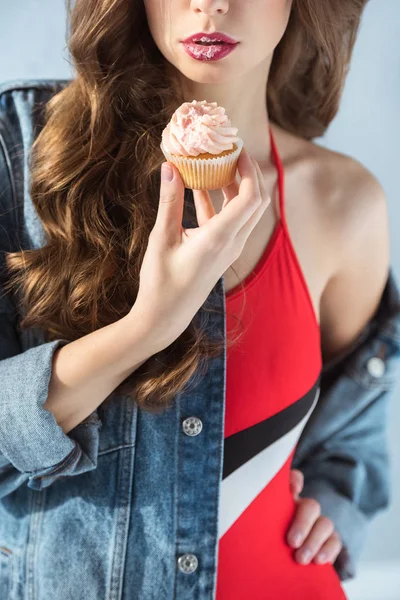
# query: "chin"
(207, 79)
(211, 73)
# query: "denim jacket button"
(192, 426)
(188, 563)
(376, 367)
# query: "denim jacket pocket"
(377, 364)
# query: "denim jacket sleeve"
(343, 450)
(33, 447)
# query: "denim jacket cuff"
(31, 438)
(349, 523)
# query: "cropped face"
(253, 29)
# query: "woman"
(128, 301)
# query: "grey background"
(32, 45)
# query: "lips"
(210, 52)
(209, 39)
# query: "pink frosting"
(197, 127)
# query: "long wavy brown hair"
(95, 170)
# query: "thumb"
(170, 207)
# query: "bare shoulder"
(356, 225)
(349, 194)
(347, 206)
(341, 192)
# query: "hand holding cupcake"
(200, 141)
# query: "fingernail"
(305, 556)
(321, 557)
(167, 173)
(296, 539)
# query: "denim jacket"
(112, 509)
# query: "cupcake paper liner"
(206, 173)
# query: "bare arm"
(87, 370)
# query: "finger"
(204, 206)
(330, 550)
(256, 216)
(319, 534)
(296, 482)
(238, 211)
(230, 191)
(307, 512)
(261, 179)
(171, 201)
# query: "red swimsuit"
(273, 377)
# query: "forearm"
(88, 369)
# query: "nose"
(210, 7)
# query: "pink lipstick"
(209, 46)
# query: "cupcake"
(200, 141)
